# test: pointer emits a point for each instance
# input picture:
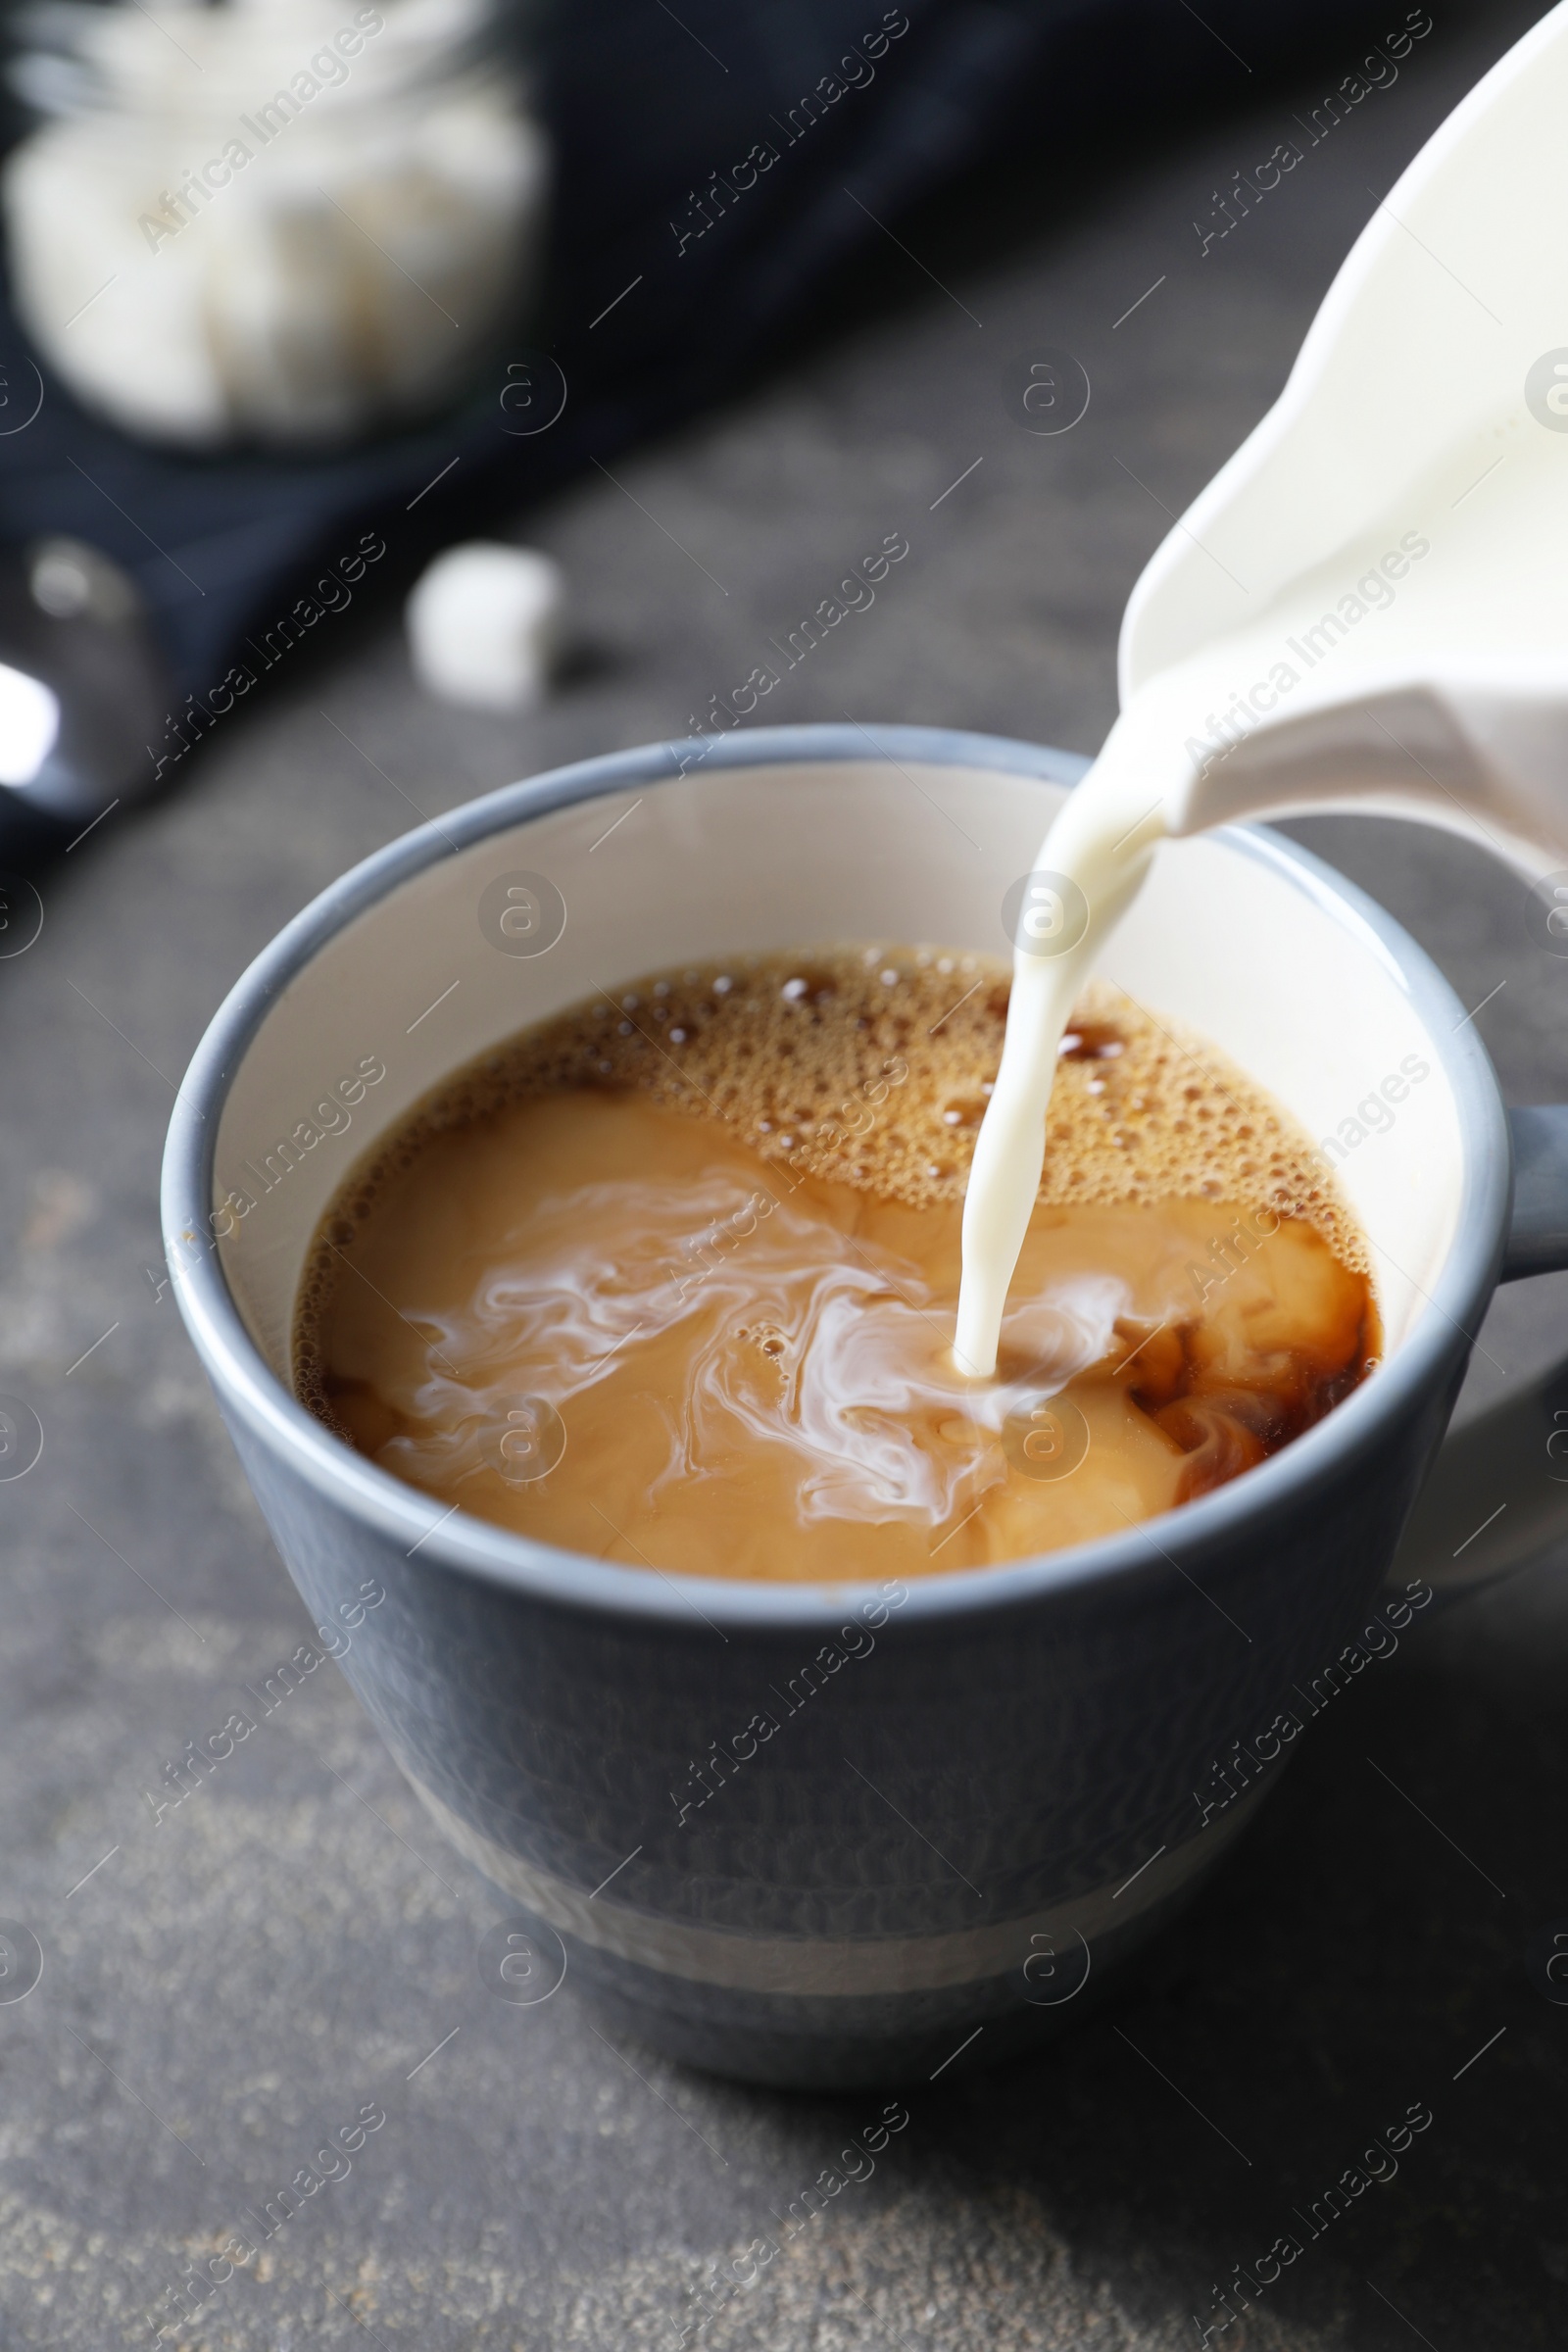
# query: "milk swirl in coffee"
(671, 1278)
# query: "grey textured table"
(226, 1983)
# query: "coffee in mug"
(671, 1278)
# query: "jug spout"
(1485, 758)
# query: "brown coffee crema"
(670, 1279)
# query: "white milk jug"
(1366, 609)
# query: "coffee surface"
(671, 1278)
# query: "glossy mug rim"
(467, 1546)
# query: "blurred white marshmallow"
(484, 625)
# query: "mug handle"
(1497, 1492)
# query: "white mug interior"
(1231, 936)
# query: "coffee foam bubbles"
(873, 1067)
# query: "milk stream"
(1440, 693)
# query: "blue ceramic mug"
(830, 1834)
